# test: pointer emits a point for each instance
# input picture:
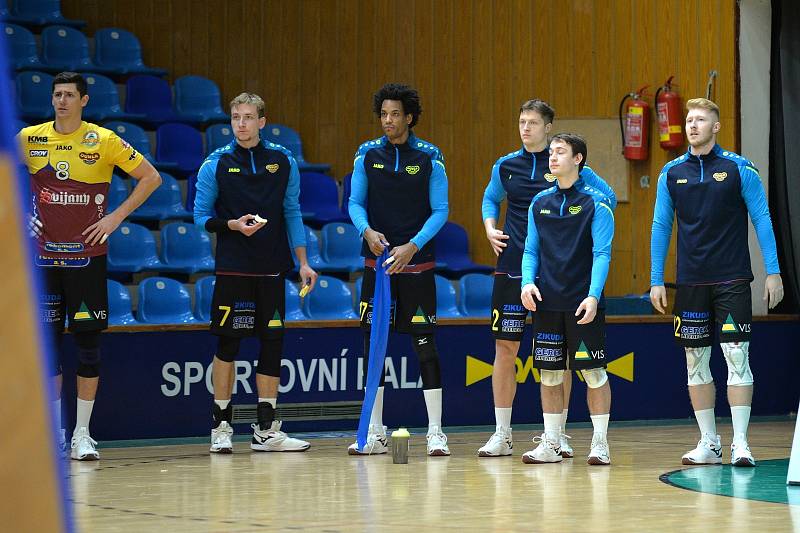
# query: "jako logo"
(412, 169)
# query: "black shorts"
(413, 301)
(702, 309)
(560, 343)
(508, 313)
(246, 306)
(75, 295)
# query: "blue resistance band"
(378, 338)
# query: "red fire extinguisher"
(670, 116)
(634, 124)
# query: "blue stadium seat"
(331, 299)
(151, 97)
(164, 301)
(445, 298)
(41, 12)
(182, 144)
(319, 199)
(358, 283)
(346, 188)
(166, 202)
(120, 52)
(452, 252)
(22, 49)
(132, 248)
(34, 96)
(293, 311)
(476, 295)
(185, 248)
(630, 304)
(191, 192)
(65, 48)
(138, 138)
(19, 124)
(218, 135)
(289, 139)
(203, 293)
(315, 260)
(119, 304)
(341, 247)
(117, 192)
(104, 101)
(197, 99)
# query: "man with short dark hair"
(70, 163)
(248, 193)
(518, 177)
(564, 270)
(399, 201)
(711, 192)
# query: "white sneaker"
(708, 452)
(566, 449)
(437, 442)
(83, 446)
(500, 443)
(376, 442)
(275, 440)
(546, 452)
(599, 454)
(740, 453)
(221, 438)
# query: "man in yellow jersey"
(70, 163)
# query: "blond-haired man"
(711, 191)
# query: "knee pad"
(594, 377)
(697, 366)
(737, 355)
(552, 378)
(269, 357)
(88, 353)
(228, 348)
(428, 357)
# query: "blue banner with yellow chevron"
(172, 380)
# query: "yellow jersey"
(69, 176)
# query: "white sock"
(57, 414)
(433, 402)
(552, 426)
(600, 423)
(376, 417)
(223, 404)
(706, 422)
(564, 414)
(84, 413)
(740, 416)
(502, 417)
(272, 401)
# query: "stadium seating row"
(36, 13)
(167, 301)
(116, 51)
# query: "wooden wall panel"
(318, 62)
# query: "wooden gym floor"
(181, 488)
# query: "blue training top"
(712, 195)
(234, 181)
(518, 177)
(400, 191)
(568, 248)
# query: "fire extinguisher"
(670, 116)
(634, 124)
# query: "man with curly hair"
(399, 203)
